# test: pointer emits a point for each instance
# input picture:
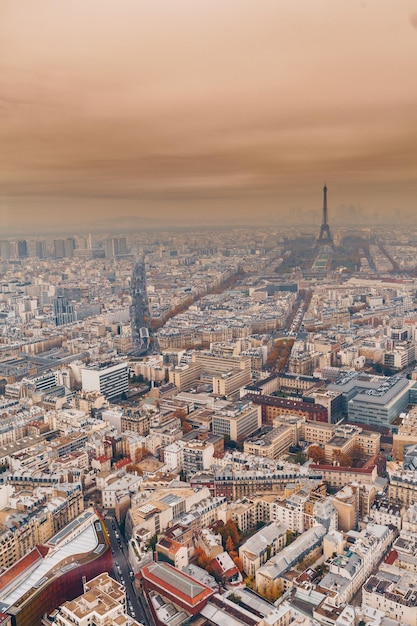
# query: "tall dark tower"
(325, 236)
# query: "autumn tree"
(279, 354)
(272, 592)
(238, 562)
(141, 453)
(356, 454)
(134, 469)
(341, 458)
(229, 545)
(316, 454)
(289, 537)
(249, 582)
(229, 530)
(185, 426)
(203, 560)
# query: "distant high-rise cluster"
(64, 248)
(116, 246)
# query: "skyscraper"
(22, 249)
(64, 311)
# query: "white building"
(111, 380)
(393, 591)
(260, 547)
(174, 456)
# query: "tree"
(322, 569)
(233, 597)
(203, 560)
(152, 542)
(300, 458)
(185, 426)
(238, 562)
(229, 544)
(249, 582)
(342, 459)
(356, 454)
(230, 530)
(316, 454)
(141, 453)
(289, 537)
(272, 592)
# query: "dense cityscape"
(208, 426)
(208, 313)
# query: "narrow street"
(122, 571)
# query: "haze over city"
(190, 112)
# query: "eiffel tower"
(325, 236)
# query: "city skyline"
(195, 113)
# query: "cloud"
(205, 103)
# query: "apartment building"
(230, 382)
(394, 592)
(272, 444)
(257, 550)
(272, 571)
(272, 406)
(35, 518)
(349, 571)
(197, 456)
(184, 376)
(336, 476)
(402, 487)
(103, 602)
(316, 432)
(346, 438)
(237, 422)
(110, 380)
(405, 547)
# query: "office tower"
(116, 246)
(69, 246)
(64, 248)
(40, 249)
(110, 380)
(64, 311)
(22, 249)
(59, 248)
(5, 249)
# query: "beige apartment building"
(103, 602)
(339, 476)
(346, 439)
(21, 531)
(238, 423)
(316, 432)
(228, 383)
(185, 376)
(402, 487)
(392, 591)
(273, 444)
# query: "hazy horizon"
(195, 112)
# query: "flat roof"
(176, 583)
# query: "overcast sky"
(201, 109)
